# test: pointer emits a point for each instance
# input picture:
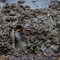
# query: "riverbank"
(44, 25)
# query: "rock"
(8, 18)
(55, 5)
(3, 1)
(58, 25)
(6, 6)
(4, 49)
(21, 2)
(27, 7)
(54, 47)
(33, 1)
(22, 7)
(12, 13)
(5, 11)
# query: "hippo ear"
(12, 35)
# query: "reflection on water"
(38, 4)
(12, 1)
(33, 5)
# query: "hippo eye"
(18, 28)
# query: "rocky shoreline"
(44, 24)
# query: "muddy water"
(33, 4)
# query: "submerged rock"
(21, 2)
(3, 0)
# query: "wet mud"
(31, 57)
(43, 23)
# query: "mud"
(44, 25)
(31, 57)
